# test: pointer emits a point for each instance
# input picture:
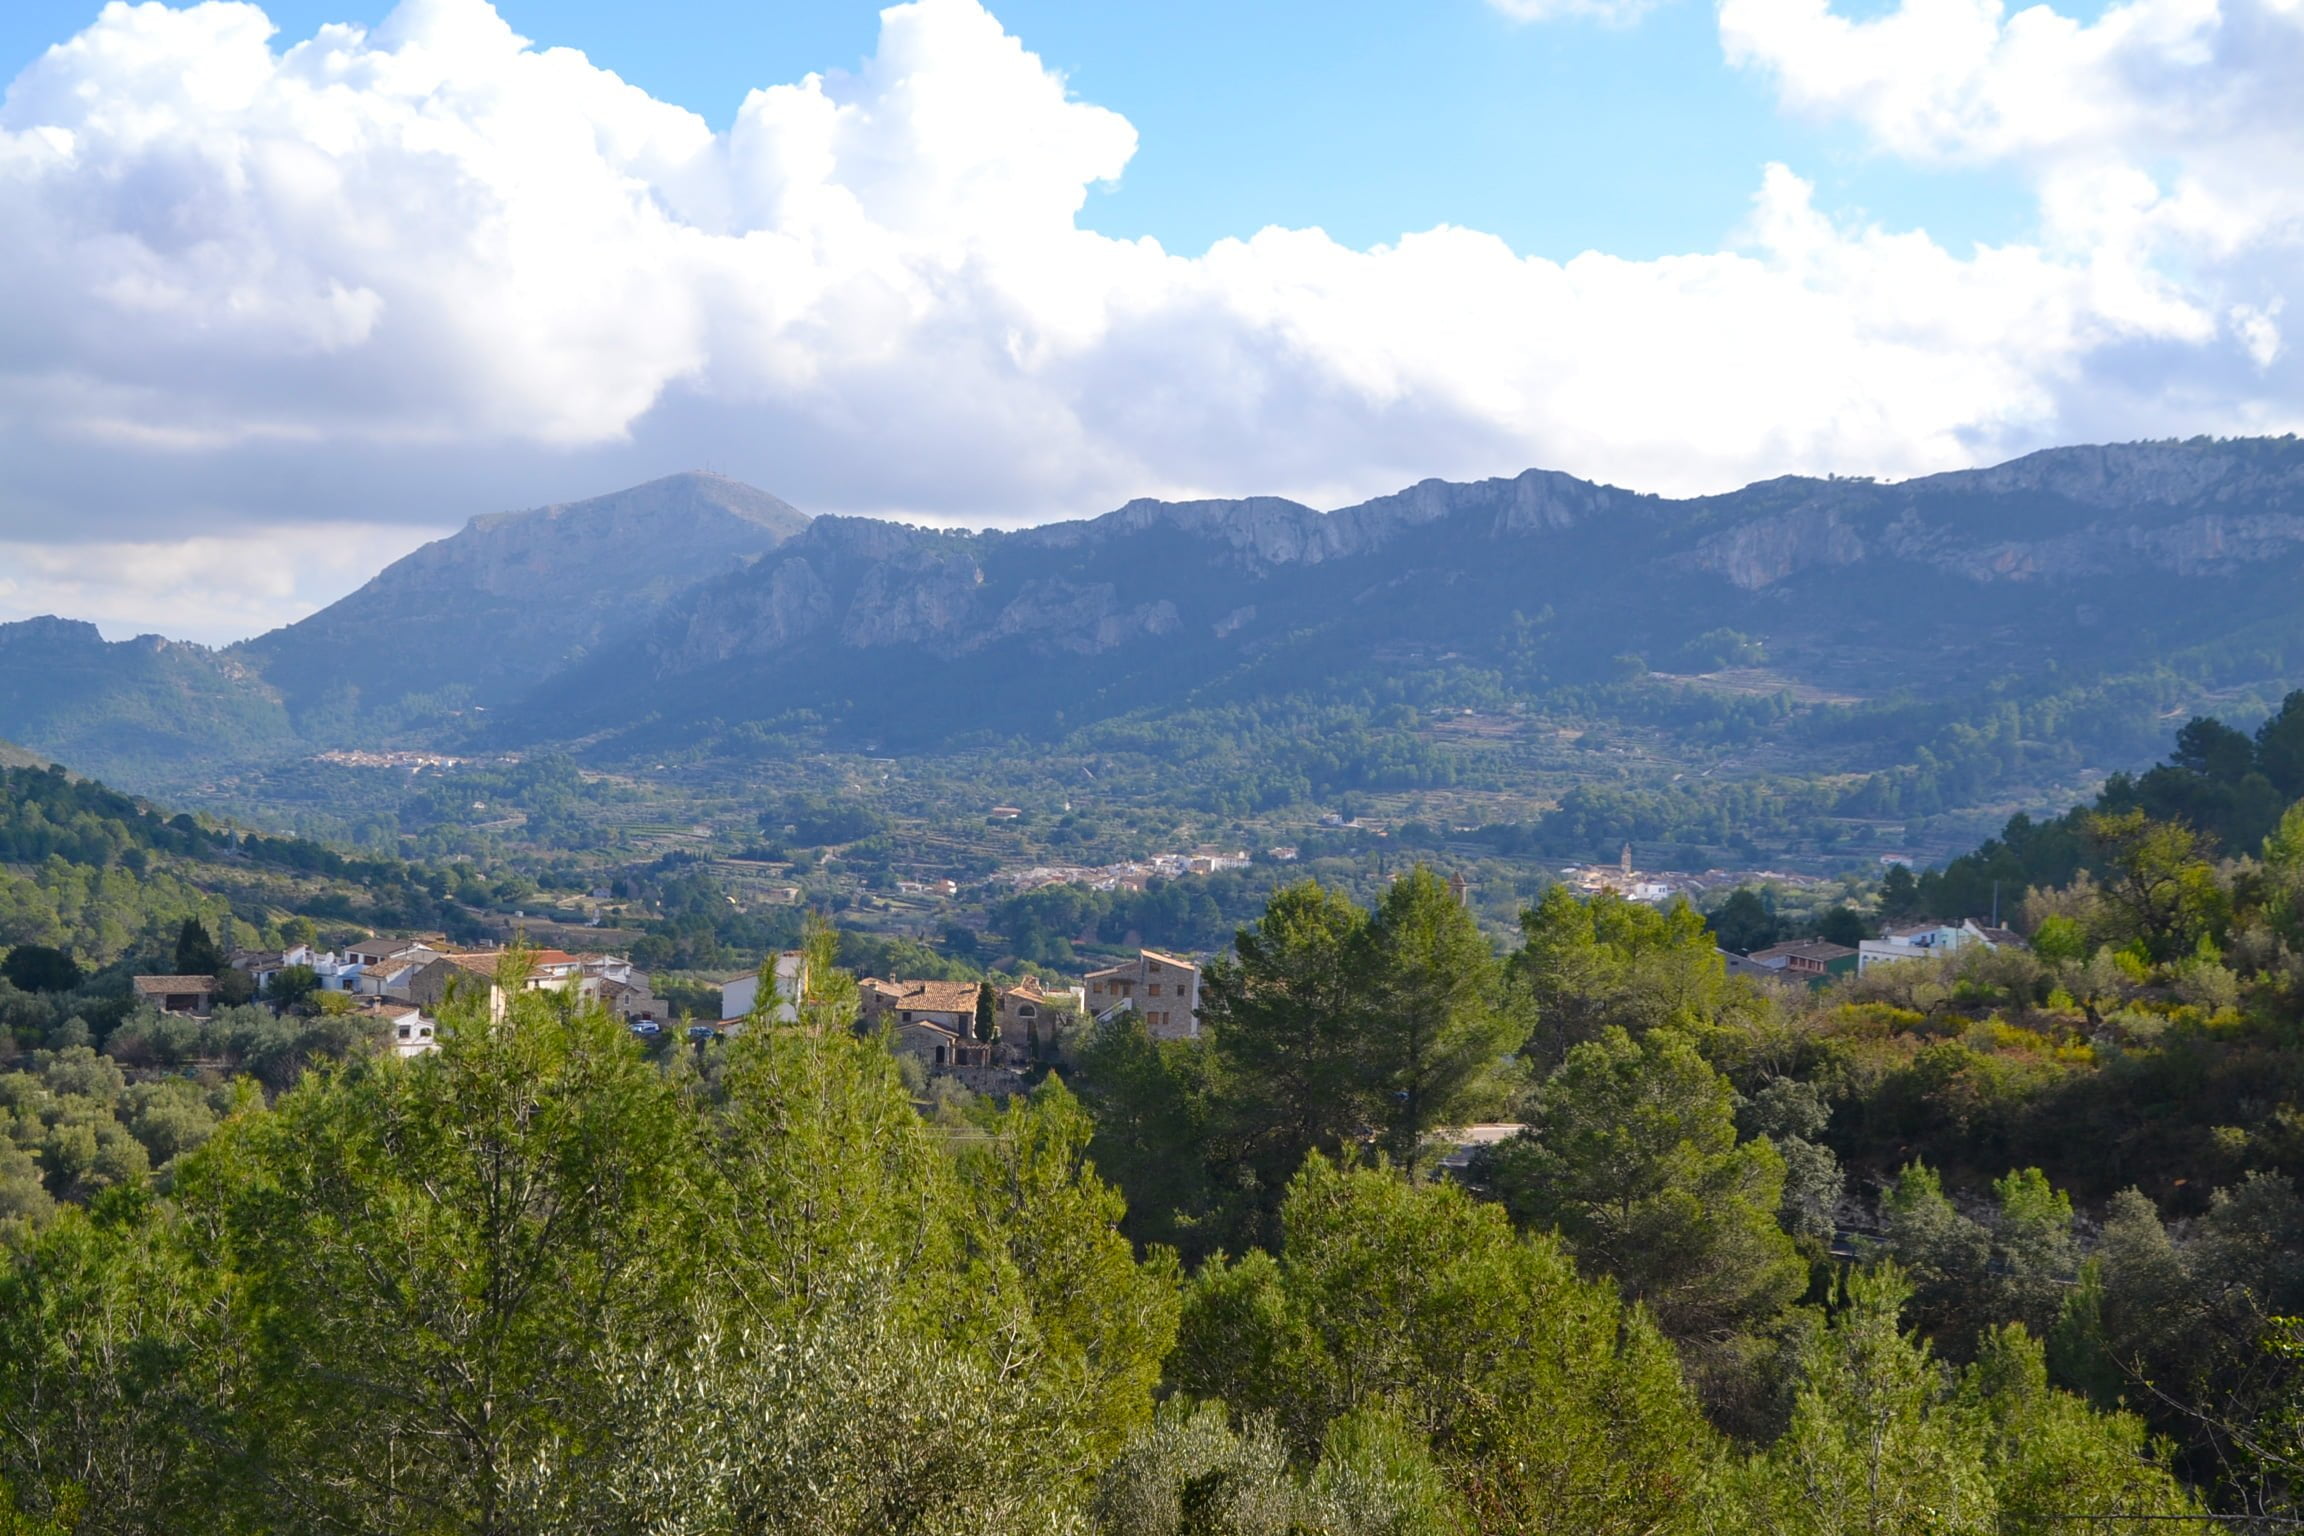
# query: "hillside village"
(988, 1035)
(985, 1035)
(399, 984)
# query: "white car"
(647, 1029)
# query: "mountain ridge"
(1446, 566)
(692, 603)
(474, 618)
(495, 607)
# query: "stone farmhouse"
(192, 995)
(1031, 1009)
(933, 1020)
(1161, 987)
(607, 979)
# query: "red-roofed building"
(548, 970)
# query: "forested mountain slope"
(2072, 561)
(516, 595)
(106, 877)
(472, 619)
(68, 693)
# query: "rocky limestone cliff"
(2130, 476)
(629, 539)
(1445, 560)
(1268, 531)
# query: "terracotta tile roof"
(934, 996)
(484, 962)
(480, 964)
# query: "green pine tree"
(196, 952)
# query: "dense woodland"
(2006, 1243)
(539, 1282)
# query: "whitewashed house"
(739, 995)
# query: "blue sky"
(1013, 260)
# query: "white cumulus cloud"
(406, 274)
(2164, 140)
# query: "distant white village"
(1621, 879)
(1131, 874)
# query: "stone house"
(938, 1046)
(1161, 987)
(950, 1005)
(1033, 1010)
(549, 970)
(194, 996)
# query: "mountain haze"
(479, 617)
(104, 706)
(514, 596)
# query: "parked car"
(699, 1033)
(647, 1029)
